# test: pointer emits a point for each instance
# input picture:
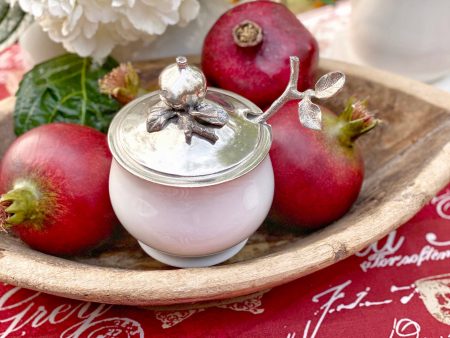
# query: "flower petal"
(145, 19)
(96, 11)
(72, 20)
(89, 29)
(55, 9)
(189, 10)
(105, 24)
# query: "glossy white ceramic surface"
(193, 262)
(409, 37)
(192, 221)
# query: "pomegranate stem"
(247, 34)
(3, 215)
(355, 121)
(19, 205)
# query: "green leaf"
(13, 21)
(64, 89)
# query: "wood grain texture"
(407, 162)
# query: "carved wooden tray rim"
(27, 268)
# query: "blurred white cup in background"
(410, 37)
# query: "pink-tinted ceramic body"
(192, 221)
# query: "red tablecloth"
(398, 287)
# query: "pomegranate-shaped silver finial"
(183, 90)
(182, 85)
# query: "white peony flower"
(95, 27)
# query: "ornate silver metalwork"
(310, 114)
(183, 89)
(239, 137)
(165, 158)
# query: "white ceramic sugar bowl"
(194, 188)
(191, 178)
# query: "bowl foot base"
(193, 262)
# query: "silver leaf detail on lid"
(200, 119)
(309, 114)
(212, 114)
(158, 117)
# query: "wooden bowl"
(407, 161)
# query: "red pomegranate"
(247, 51)
(318, 174)
(54, 188)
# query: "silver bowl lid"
(166, 158)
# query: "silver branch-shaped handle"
(310, 114)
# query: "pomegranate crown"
(310, 114)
